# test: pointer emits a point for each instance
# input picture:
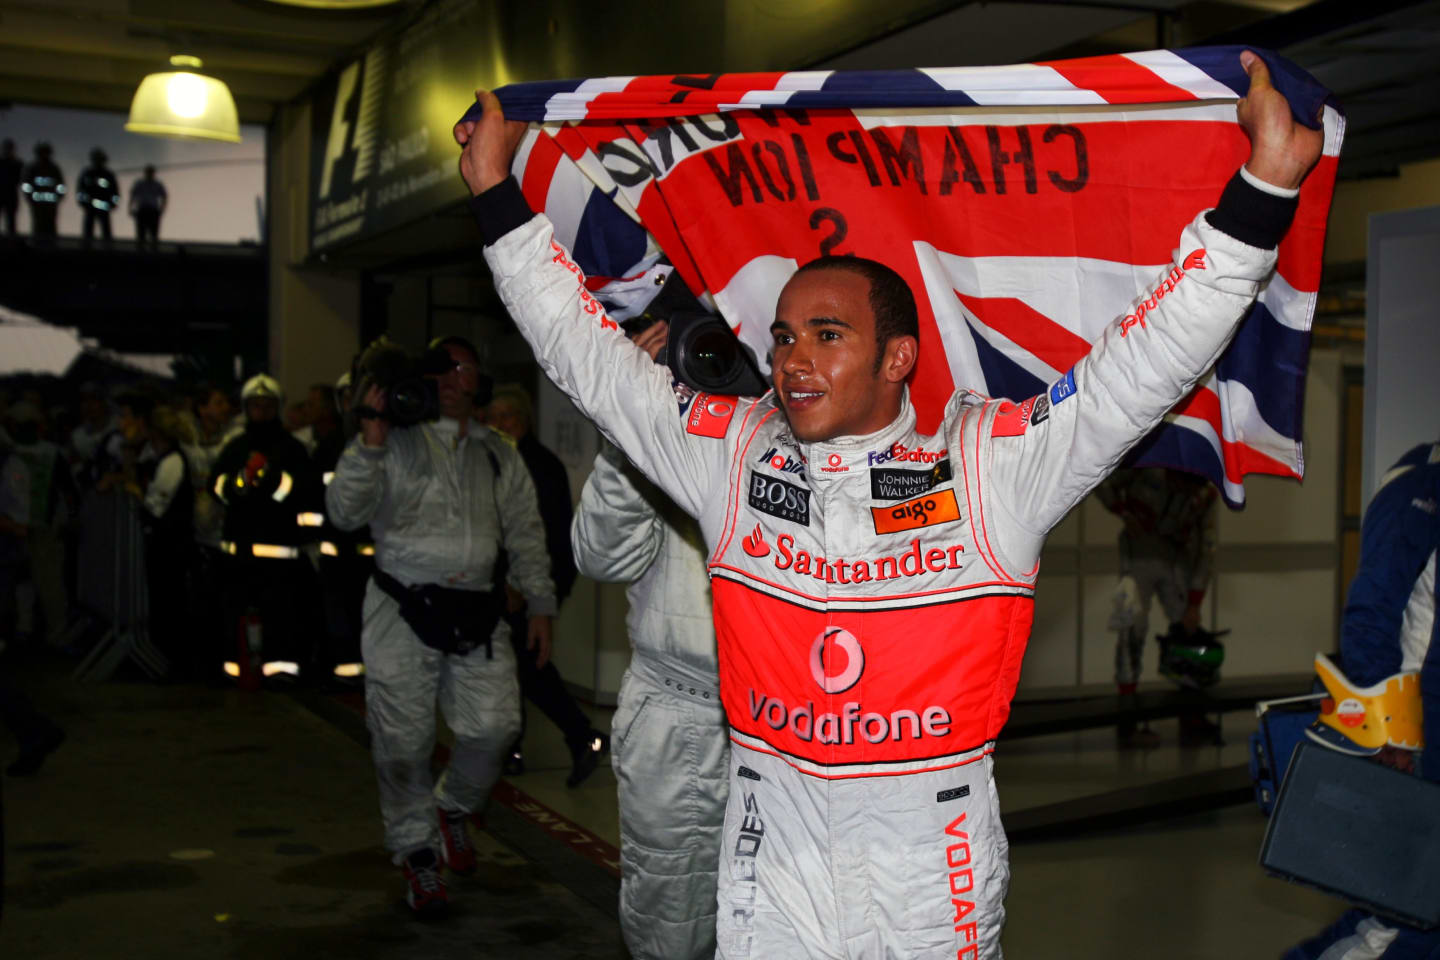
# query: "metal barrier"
(111, 584)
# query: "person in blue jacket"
(1389, 627)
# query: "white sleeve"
(611, 381)
(1046, 454)
(616, 533)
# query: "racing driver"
(873, 587)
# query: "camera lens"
(711, 355)
(406, 402)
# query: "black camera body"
(701, 350)
(412, 394)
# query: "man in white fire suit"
(872, 603)
(670, 744)
(442, 499)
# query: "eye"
(783, 339)
(830, 336)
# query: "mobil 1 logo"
(780, 499)
(888, 483)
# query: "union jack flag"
(1028, 206)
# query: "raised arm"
(613, 382)
(1051, 451)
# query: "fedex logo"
(900, 452)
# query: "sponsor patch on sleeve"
(1013, 420)
(1063, 388)
(927, 511)
(710, 415)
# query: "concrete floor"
(198, 823)
(187, 822)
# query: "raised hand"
(1282, 151)
(488, 144)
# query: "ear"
(900, 354)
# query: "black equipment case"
(1357, 829)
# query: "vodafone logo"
(837, 637)
(835, 463)
(710, 415)
(754, 543)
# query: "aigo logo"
(837, 637)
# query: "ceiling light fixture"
(337, 4)
(185, 105)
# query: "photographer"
(442, 499)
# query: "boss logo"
(780, 499)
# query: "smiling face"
(824, 367)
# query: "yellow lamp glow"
(337, 4)
(184, 105)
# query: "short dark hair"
(891, 299)
(455, 340)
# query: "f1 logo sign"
(357, 137)
(854, 660)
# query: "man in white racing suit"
(442, 499)
(874, 587)
(670, 745)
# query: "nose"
(797, 360)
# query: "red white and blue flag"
(1026, 205)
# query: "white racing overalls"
(670, 744)
(873, 595)
(440, 507)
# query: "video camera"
(701, 350)
(412, 395)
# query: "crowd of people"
(223, 495)
(42, 184)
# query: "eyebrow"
(813, 322)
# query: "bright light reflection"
(232, 668)
(186, 95)
(280, 666)
(349, 669)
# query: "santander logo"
(754, 543)
(843, 639)
(1194, 260)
